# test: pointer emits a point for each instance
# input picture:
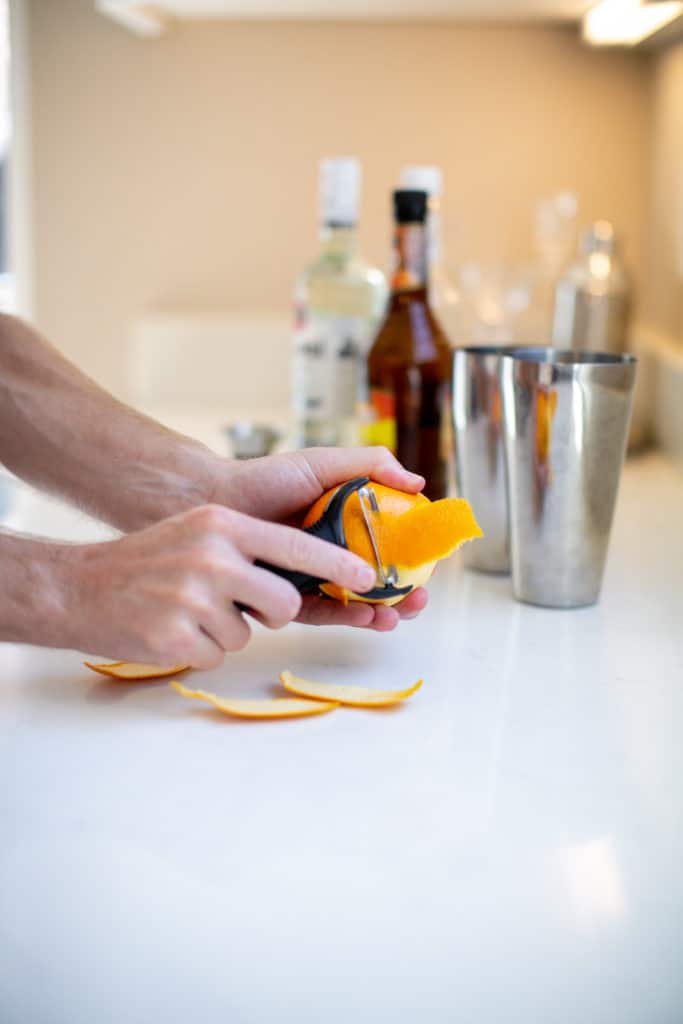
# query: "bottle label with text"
(325, 380)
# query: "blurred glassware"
(496, 303)
(592, 306)
(592, 298)
(479, 454)
(444, 297)
(252, 440)
(554, 232)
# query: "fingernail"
(365, 577)
(416, 478)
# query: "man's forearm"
(63, 433)
(33, 591)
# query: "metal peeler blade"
(370, 507)
(388, 574)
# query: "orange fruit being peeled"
(412, 532)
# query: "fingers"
(209, 652)
(289, 548)
(275, 601)
(412, 605)
(385, 619)
(333, 466)
(189, 644)
(225, 627)
(321, 611)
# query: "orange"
(413, 534)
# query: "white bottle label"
(325, 378)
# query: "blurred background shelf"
(161, 193)
(237, 361)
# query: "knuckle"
(172, 642)
(182, 645)
(186, 588)
(380, 453)
(344, 565)
(241, 635)
(293, 601)
(209, 518)
(299, 548)
(153, 633)
(209, 659)
(237, 575)
(207, 559)
(286, 608)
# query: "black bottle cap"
(410, 206)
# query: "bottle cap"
(339, 191)
(410, 206)
(424, 177)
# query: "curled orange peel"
(352, 696)
(134, 670)
(277, 707)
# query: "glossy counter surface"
(505, 847)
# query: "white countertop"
(506, 847)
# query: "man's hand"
(283, 487)
(169, 594)
(63, 433)
(280, 487)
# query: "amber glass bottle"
(409, 363)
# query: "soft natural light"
(137, 19)
(594, 882)
(626, 22)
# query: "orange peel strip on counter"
(277, 707)
(134, 671)
(352, 696)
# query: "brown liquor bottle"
(409, 363)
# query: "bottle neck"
(338, 242)
(410, 258)
(434, 232)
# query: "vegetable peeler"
(330, 527)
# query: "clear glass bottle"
(593, 301)
(409, 363)
(444, 296)
(592, 296)
(339, 300)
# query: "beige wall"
(181, 173)
(664, 294)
